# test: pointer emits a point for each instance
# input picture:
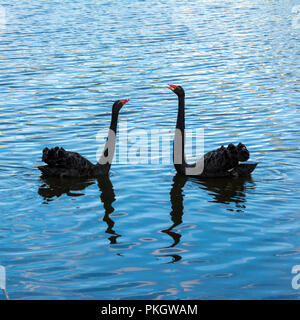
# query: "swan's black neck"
(180, 116)
(105, 161)
(179, 139)
(114, 121)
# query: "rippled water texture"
(146, 233)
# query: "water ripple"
(147, 233)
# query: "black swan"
(222, 162)
(67, 164)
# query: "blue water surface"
(146, 233)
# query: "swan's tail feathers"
(55, 156)
(244, 169)
(242, 152)
(63, 163)
(49, 171)
(61, 158)
(236, 153)
(43, 169)
(225, 158)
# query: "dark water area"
(145, 232)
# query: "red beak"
(124, 101)
(172, 87)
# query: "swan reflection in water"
(55, 187)
(222, 190)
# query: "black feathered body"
(62, 163)
(226, 161)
